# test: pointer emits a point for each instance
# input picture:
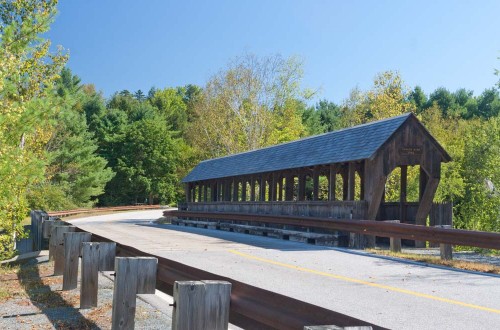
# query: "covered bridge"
(340, 174)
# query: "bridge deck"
(386, 292)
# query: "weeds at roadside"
(460, 264)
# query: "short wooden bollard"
(47, 228)
(445, 250)
(107, 253)
(395, 242)
(52, 234)
(95, 257)
(56, 246)
(133, 276)
(72, 251)
(201, 305)
(334, 327)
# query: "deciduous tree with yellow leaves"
(250, 104)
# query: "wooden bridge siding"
(440, 214)
(279, 185)
(336, 210)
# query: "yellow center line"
(372, 284)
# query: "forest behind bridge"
(64, 145)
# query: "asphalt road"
(391, 293)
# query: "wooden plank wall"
(334, 209)
(441, 213)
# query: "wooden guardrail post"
(37, 220)
(445, 250)
(95, 257)
(201, 305)
(107, 253)
(395, 242)
(90, 275)
(72, 251)
(133, 276)
(47, 228)
(56, 245)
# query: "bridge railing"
(101, 209)
(250, 307)
(486, 240)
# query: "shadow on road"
(248, 239)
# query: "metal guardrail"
(102, 209)
(480, 239)
(251, 307)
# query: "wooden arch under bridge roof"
(289, 174)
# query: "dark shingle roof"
(350, 144)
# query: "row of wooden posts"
(446, 251)
(197, 304)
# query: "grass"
(460, 264)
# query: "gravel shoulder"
(31, 298)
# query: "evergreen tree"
(27, 73)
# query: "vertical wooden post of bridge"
(395, 242)
(133, 276)
(72, 251)
(201, 305)
(95, 257)
(56, 247)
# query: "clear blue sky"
(139, 44)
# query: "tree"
(139, 96)
(27, 72)
(146, 167)
(170, 104)
(418, 97)
(488, 104)
(190, 95)
(68, 83)
(387, 98)
(74, 166)
(444, 100)
(325, 117)
(135, 110)
(480, 208)
(242, 106)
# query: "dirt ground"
(31, 298)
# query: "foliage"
(387, 98)
(171, 105)
(27, 71)
(146, 167)
(480, 208)
(243, 107)
(325, 117)
(74, 166)
(448, 132)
